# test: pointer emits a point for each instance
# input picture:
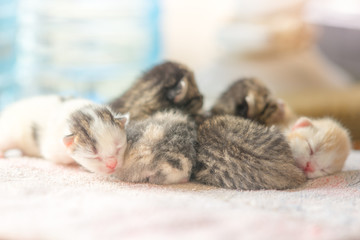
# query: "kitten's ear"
(68, 140)
(178, 93)
(301, 123)
(123, 120)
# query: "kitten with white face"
(320, 146)
(65, 130)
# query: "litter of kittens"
(157, 133)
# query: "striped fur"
(99, 134)
(161, 149)
(169, 85)
(250, 98)
(237, 153)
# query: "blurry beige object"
(274, 43)
(338, 22)
(276, 29)
(224, 41)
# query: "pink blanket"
(40, 200)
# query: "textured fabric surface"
(40, 200)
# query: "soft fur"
(250, 98)
(237, 153)
(160, 150)
(63, 131)
(320, 146)
(169, 85)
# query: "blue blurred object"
(8, 87)
(92, 48)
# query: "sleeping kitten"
(238, 153)
(160, 150)
(250, 98)
(63, 130)
(320, 146)
(165, 86)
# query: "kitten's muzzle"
(111, 163)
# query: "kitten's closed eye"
(118, 149)
(311, 149)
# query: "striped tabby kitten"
(250, 98)
(237, 153)
(165, 86)
(63, 131)
(160, 150)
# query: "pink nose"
(111, 163)
(309, 167)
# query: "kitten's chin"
(110, 171)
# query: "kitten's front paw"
(160, 178)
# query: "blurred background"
(306, 51)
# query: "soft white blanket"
(40, 200)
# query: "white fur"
(250, 99)
(323, 145)
(111, 144)
(52, 115)
(52, 147)
(16, 120)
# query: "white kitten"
(63, 130)
(320, 146)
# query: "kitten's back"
(161, 149)
(236, 153)
(21, 122)
(169, 85)
(56, 128)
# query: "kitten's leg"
(173, 171)
(5, 146)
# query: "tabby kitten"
(250, 98)
(160, 149)
(237, 153)
(165, 86)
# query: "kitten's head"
(97, 138)
(320, 147)
(249, 98)
(176, 87)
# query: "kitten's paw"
(161, 178)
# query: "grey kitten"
(250, 98)
(237, 153)
(160, 149)
(165, 86)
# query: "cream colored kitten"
(320, 146)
